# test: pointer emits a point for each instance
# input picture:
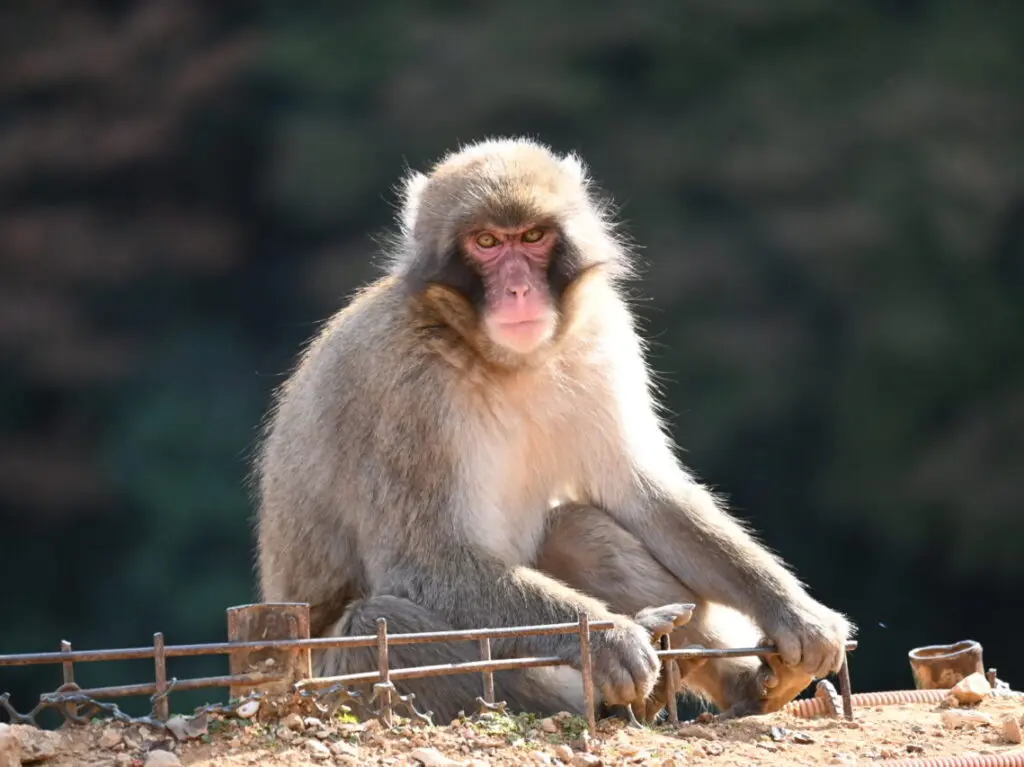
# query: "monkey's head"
(497, 239)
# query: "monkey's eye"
(486, 240)
(534, 235)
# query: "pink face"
(514, 266)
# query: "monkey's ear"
(412, 191)
(575, 166)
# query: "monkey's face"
(518, 311)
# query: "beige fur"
(411, 467)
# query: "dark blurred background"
(829, 197)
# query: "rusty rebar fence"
(269, 651)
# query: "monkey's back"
(336, 452)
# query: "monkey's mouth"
(522, 335)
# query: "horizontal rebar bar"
(222, 648)
(443, 669)
(150, 688)
(729, 652)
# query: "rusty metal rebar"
(587, 670)
(671, 682)
(844, 690)
(488, 675)
(383, 685)
(318, 643)
(161, 705)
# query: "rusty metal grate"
(275, 636)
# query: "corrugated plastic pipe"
(824, 705)
(1008, 759)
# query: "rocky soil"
(881, 733)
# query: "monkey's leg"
(590, 551)
(541, 691)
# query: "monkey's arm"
(687, 530)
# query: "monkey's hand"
(625, 666)
(810, 637)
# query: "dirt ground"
(878, 734)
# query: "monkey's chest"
(528, 467)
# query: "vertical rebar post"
(587, 669)
(161, 705)
(384, 684)
(485, 655)
(259, 622)
(68, 669)
(671, 681)
(844, 690)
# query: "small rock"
(293, 722)
(539, 757)
(548, 725)
(564, 753)
(431, 757)
(713, 749)
(36, 745)
(110, 737)
(248, 709)
(283, 733)
(341, 748)
(313, 723)
(973, 688)
(1011, 729)
(318, 750)
(160, 758)
(843, 758)
(696, 731)
(802, 737)
(953, 717)
(777, 733)
(915, 748)
(184, 728)
(585, 760)
(10, 747)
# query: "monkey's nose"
(517, 291)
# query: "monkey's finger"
(790, 648)
(662, 620)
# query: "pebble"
(431, 757)
(843, 758)
(248, 709)
(110, 737)
(548, 725)
(973, 688)
(10, 747)
(1012, 729)
(318, 750)
(293, 722)
(283, 733)
(341, 748)
(564, 753)
(585, 760)
(955, 717)
(160, 758)
(696, 731)
(36, 745)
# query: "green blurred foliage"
(828, 205)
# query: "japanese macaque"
(473, 441)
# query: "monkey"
(474, 440)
